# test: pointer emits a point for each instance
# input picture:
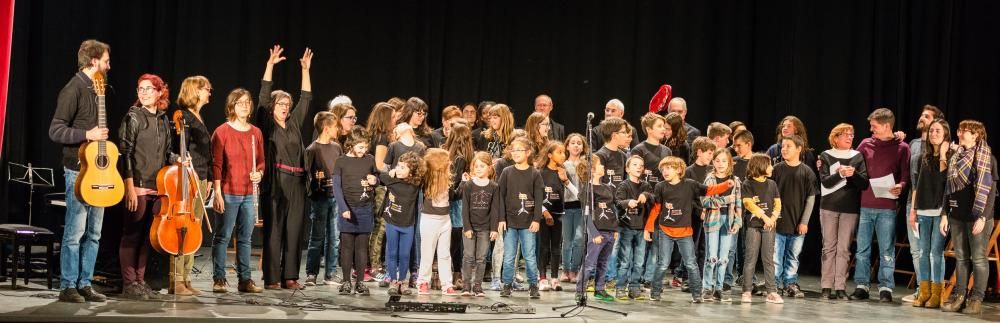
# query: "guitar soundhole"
(102, 161)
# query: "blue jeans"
(324, 237)
(613, 271)
(931, 242)
(735, 257)
(398, 243)
(81, 238)
(717, 250)
(237, 216)
(529, 245)
(883, 223)
(786, 258)
(665, 246)
(652, 254)
(632, 260)
(573, 247)
(915, 251)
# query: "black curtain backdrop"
(756, 61)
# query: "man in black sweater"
(75, 122)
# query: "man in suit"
(543, 104)
(680, 106)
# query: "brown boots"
(930, 295)
(935, 299)
(924, 295)
(180, 289)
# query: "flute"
(256, 186)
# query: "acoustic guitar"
(99, 183)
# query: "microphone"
(590, 116)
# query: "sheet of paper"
(882, 185)
(833, 170)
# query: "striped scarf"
(960, 171)
(713, 205)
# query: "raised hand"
(276, 57)
(306, 59)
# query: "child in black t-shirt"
(632, 197)
(324, 238)
(481, 209)
(762, 203)
(522, 188)
(399, 212)
(797, 186)
(602, 228)
(354, 185)
(550, 164)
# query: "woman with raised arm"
(283, 188)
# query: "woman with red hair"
(146, 147)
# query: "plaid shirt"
(961, 169)
(713, 205)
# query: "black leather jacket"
(143, 169)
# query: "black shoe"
(506, 290)
(346, 289)
(859, 294)
(92, 295)
(885, 296)
(71, 295)
(654, 296)
(533, 292)
(361, 289)
(685, 288)
(842, 295)
(793, 290)
(825, 294)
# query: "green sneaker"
(604, 296)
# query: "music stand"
(31, 176)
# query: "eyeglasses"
(283, 104)
(848, 134)
(145, 89)
(623, 132)
(421, 113)
(355, 118)
(243, 102)
(208, 89)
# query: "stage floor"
(34, 303)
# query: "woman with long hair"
(194, 94)
(414, 113)
(971, 190)
(146, 146)
(497, 134)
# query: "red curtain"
(7, 20)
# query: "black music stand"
(31, 176)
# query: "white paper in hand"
(843, 181)
(882, 185)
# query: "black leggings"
(550, 248)
(354, 254)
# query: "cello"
(176, 230)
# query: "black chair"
(27, 236)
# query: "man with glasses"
(613, 109)
(544, 105)
(75, 122)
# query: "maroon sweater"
(884, 158)
(231, 154)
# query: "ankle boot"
(973, 306)
(954, 305)
(190, 288)
(181, 290)
(924, 294)
(935, 300)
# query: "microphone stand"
(581, 303)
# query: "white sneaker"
(911, 297)
(543, 286)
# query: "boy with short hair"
(797, 188)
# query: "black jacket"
(76, 112)
(143, 169)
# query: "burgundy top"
(231, 158)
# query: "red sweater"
(231, 158)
